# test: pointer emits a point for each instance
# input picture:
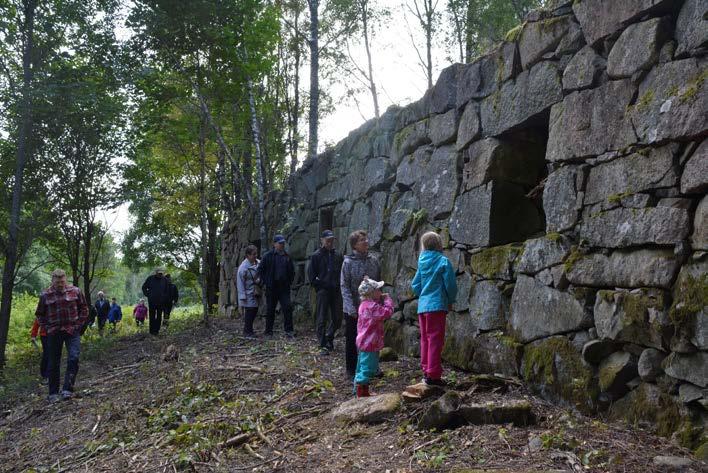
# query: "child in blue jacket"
(436, 287)
(115, 314)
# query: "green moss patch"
(690, 298)
(494, 263)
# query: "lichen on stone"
(573, 257)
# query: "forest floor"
(224, 403)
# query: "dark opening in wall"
(501, 185)
(326, 219)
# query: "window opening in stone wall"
(326, 219)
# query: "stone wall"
(567, 171)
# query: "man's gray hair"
(58, 273)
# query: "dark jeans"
(155, 314)
(101, 323)
(168, 311)
(279, 293)
(350, 352)
(44, 363)
(250, 314)
(329, 315)
(55, 342)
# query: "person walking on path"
(140, 313)
(374, 309)
(115, 315)
(44, 359)
(324, 275)
(102, 308)
(356, 265)
(62, 311)
(157, 290)
(277, 272)
(248, 288)
(174, 297)
(436, 287)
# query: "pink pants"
(432, 339)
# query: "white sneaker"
(52, 398)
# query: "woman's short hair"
(251, 250)
(356, 236)
(431, 241)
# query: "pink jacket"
(370, 325)
(140, 311)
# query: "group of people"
(350, 286)
(63, 315)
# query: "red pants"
(432, 339)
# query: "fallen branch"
(426, 444)
(237, 440)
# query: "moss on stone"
(701, 452)
(573, 257)
(617, 198)
(555, 237)
(690, 297)
(662, 410)
(492, 262)
(539, 366)
(513, 34)
(689, 92)
(644, 101)
(459, 351)
(402, 136)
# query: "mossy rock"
(459, 351)
(496, 262)
(701, 452)
(393, 335)
(554, 368)
(648, 403)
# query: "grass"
(22, 369)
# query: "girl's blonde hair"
(431, 241)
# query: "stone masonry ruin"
(567, 172)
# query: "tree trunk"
(24, 131)
(372, 84)
(260, 185)
(295, 114)
(203, 215)
(88, 236)
(429, 41)
(314, 77)
(212, 260)
(469, 39)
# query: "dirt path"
(229, 404)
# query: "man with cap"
(277, 272)
(157, 290)
(323, 273)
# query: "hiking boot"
(434, 382)
(362, 390)
(290, 335)
(53, 398)
(324, 351)
(250, 336)
(66, 395)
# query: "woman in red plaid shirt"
(62, 311)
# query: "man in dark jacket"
(323, 273)
(102, 307)
(157, 290)
(277, 272)
(174, 297)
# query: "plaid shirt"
(65, 311)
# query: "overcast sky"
(399, 78)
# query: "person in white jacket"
(248, 286)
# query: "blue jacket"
(434, 282)
(115, 314)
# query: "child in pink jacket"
(375, 307)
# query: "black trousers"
(155, 314)
(350, 351)
(44, 363)
(168, 311)
(329, 315)
(279, 294)
(55, 342)
(250, 314)
(101, 323)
